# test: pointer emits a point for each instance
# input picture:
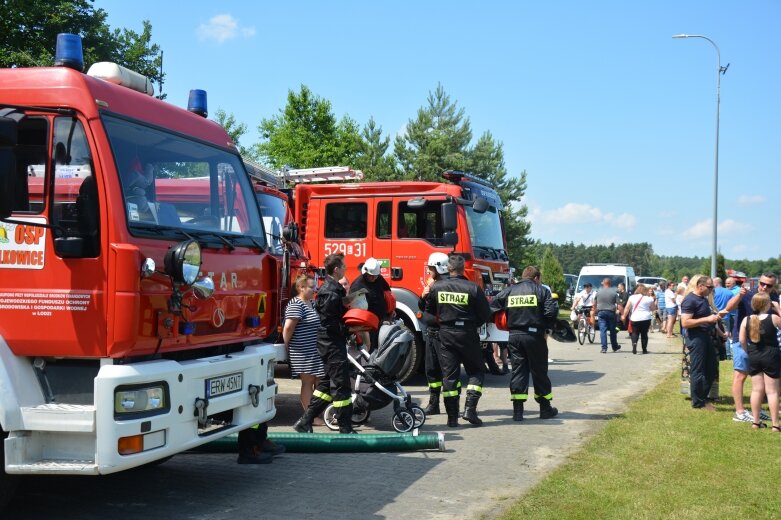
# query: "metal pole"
(719, 71)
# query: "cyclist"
(583, 301)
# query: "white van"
(595, 273)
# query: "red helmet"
(361, 319)
(500, 320)
(390, 302)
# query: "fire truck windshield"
(173, 185)
(273, 210)
(485, 232)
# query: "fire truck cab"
(401, 224)
(132, 324)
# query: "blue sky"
(612, 119)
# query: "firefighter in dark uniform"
(531, 310)
(437, 269)
(331, 345)
(375, 285)
(460, 307)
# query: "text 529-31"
(356, 249)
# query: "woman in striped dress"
(300, 336)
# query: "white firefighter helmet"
(438, 261)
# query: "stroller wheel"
(403, 421)
(360, 416)
(329, 416)
(420, 416)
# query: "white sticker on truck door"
(22, 246)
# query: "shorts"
(739, 358)
(671, 311)
(765, 360)
(662, 313)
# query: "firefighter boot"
(451, 407)
(344, 417)
(470, 408)
(517, 410)
(546, 410)
(488, 358)
(433, 402)
(247, 453)
(316, 407)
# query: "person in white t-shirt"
(640, 309)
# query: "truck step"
(62, 467)
(55, 417)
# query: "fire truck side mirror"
(449, 238)
(290, 232)
(8, 138)
(449, 217)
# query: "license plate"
(222, 385)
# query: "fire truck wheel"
(414, 361)
(7, 482)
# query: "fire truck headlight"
(183, 262)
(141, 400)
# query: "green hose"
(338, 443)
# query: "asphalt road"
(480, 473)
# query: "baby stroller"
(376, 384)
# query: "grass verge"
(662, 459)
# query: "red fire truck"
(133, 314)
(401, 224)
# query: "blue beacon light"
(69, 53)
(197, 102)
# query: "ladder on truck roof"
(325, 174)
(265, 175)
(280, 178)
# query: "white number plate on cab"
(222, 385)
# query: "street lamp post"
(719, 71)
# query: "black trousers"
(529, 357)
(433, 366)
(640, 330)
(704, 365)
(335, 386)
(457, 346)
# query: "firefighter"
(332, 347)
(460, 307)
(437, 269)
(375, 286)
(531, 310)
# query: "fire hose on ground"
(339, 443)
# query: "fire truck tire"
(414, 361)
(7, 482)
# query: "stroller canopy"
(394, 343)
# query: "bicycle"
(583, 327)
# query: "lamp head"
(680, 35)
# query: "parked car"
(651, 280)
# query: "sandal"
(776, 429)
(759, 425)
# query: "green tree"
(29, 28)
(721, 271)
(306, 134)
(235, 130)
(552, 273)
(435, 141)
(373, 158)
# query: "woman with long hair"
(758, 337)
(639, 309)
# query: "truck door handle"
(397, 273)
